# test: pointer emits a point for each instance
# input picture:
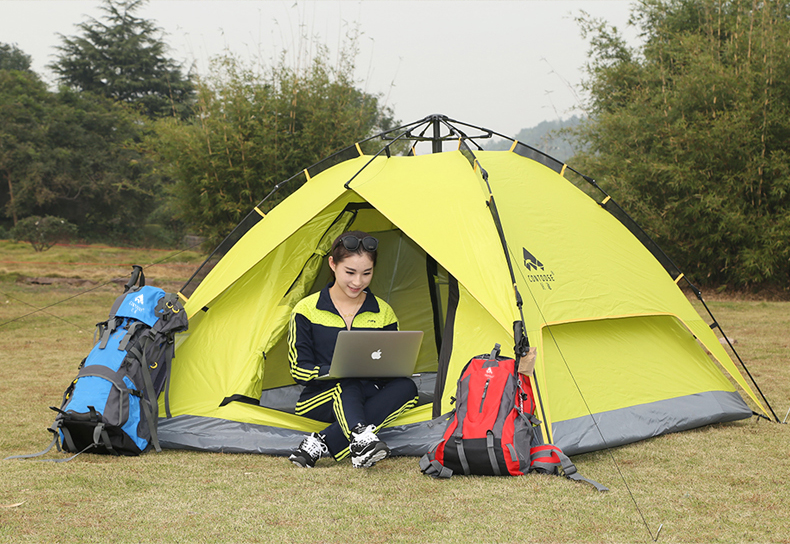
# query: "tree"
(74, 156)
(92, 173)
(124, 59)
(43, 232)
(13, 58)
(256, 128)
(691, 133)
(24, 101)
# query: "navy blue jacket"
(315, 324)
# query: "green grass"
(723, 483)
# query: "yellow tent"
(465, 238)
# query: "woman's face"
(352, 274)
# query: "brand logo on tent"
(537, 272)
(531, 262)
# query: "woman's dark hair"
(361, 242)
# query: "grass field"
(724, 483)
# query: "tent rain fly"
(476, 248)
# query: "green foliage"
(691, 133)
(72, 155)
(257, 127)
(43, 232)
(13, 58)
(124, 59)
(24, 100)
(78, 153)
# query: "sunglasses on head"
(351, 243)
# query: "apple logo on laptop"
(376, 355)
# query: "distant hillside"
(545, 137)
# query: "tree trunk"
(11, 196)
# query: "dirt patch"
(169, 286)
(77, 282)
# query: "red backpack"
(490, 432)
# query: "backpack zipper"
(482, 400)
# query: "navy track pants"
(344, 404)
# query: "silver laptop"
(374, 354)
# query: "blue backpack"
(111, 407)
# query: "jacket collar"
(325, 302)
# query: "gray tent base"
(575, 436)
(628, 425)
(220, 435)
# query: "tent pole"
(437, 140)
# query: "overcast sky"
(504, 65)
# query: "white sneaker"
(310, 450)
(366, 448)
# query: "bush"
(690, 132)
(43, 232)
